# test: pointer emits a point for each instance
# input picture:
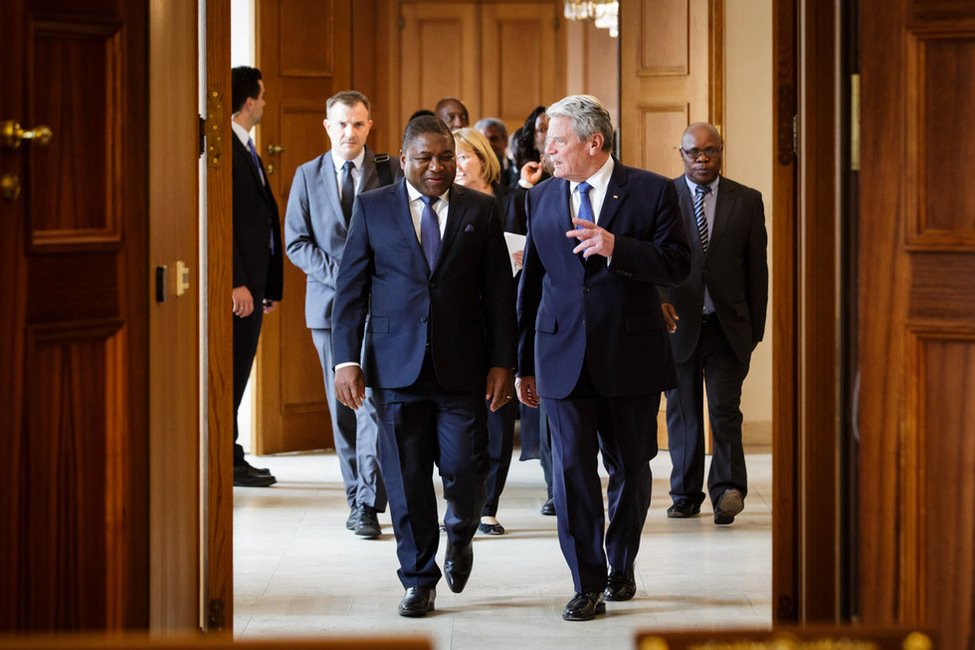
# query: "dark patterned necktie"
(585, 205)
(430, 231)
(255, 159)
(702, 221)
(348, 190)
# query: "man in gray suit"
(721, 313)
(315, 228)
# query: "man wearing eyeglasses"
(716, 318)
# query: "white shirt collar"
(242, 134)
(338, 162)
(599, 180)
(415, 194)
(692, 186)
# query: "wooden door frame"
(809, 539)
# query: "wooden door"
(304, 52)
(73, 337)
(671, 75)
(518, 66)
(917, 317)
(446, 64)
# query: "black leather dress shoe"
(620, 585)
(367, 524)
(491, 529)
(247, 476)
(584, 607)
(263, 471)
(683, 508)
(729, 504)
(353, 518)
(457, 565)
(417, 602)
(548, 508)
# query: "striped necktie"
(702, 221)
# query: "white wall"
(749, 159)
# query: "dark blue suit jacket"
(464, 308)
(570, 309)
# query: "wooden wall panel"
(940, 66)
(304, 43)
(945, 446)
(666, 29)
(659, 124)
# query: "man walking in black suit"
(716, 318)
(593, 346)
(315, 226)
(425, 259)
(258, 260)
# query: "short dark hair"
(422, 125)
(350, 98)
(422, 111)
(243, 84)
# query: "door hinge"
(213, 127)
(217, 617)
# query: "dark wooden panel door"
(304, 52)
(917, 317)
(73, 342)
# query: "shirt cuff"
(347, 363)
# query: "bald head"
(453, 112)
(700, 149)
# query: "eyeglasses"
(710, 152)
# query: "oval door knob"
(11, 187)
(274, 148)
(12, 134)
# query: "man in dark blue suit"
(426, 261)
(593, 343)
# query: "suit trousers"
(624, 429)
(247, 333)
(355, 433)
(501, 442)
(714, 366)
(421, 426)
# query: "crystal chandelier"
(604, 13)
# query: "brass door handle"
(274, 148)
(12, 134)
(11, 187)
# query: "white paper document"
(515, 243)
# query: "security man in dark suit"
(716, 318)
(426, 261)
(593, 345)
(258, 259)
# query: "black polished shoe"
(417, 602)
(353, 518)
(584, 607)
(247, 476)
(683, 508)
(457, 565)
(620, 585)
(368, 523)
(548, 508)
(263, 471)
(729, 504)
(491, 529)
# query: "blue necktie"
(348, 190)
(702, 223)
(254, 158)
(430, 231)
(585, 205)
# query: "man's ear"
(596, 144)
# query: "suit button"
(587, 289)
(423, 319)
(432, 285)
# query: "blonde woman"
(478, 169)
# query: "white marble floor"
(298, 571)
